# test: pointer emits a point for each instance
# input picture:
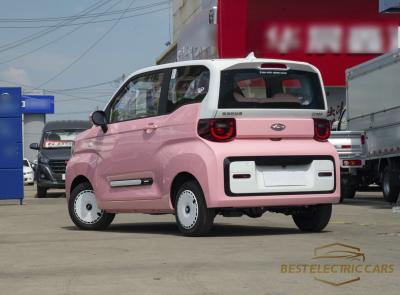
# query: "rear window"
(57, 139)
(270, 89)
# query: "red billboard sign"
(332, 35)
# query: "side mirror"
(34, 146)
(99, 118)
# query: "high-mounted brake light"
(322, 129)
(218, 130)
(273, 66)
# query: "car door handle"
(151, 127)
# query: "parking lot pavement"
(41, 252)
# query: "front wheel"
(83, 210)
(41, 192)
(314, 218)
(192, 215)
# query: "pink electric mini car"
(200, 138)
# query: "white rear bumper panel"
(245, 177)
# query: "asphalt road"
(41, 252)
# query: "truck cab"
(351, 147)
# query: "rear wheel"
(83, 209)
(347, 191)
(314, 218)
(348, 187)
(192, 215)
(390, 186)
(41, 192)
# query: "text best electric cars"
(208, 137)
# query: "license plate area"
(280, 175)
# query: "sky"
(66, 57)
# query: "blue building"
(22, 118)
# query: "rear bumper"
(275, 201)
(220, 195)
(28, 180)
(307, 175)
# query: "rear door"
(129, 168)
(271, 102)
(277, 102)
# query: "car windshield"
(58, 139)
(26, 164)
(267, 89)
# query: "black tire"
(190, 197)
(347, 191)
(102, 221)
(41, 192)
(390, 186)
(314, 219)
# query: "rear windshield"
(270, 89)
(58, 139)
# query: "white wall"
(182, 13)
(33, 126)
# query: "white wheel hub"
(187, 209)
(85, 207)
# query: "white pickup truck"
(350, 146)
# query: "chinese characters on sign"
(331, 38)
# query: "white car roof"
(222, 64)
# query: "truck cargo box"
(373, 103)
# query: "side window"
(187, 85)
(139, 99)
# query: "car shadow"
(52, 195)
(361, 199)
(218, 230)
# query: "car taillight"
(219, 130)
(322, 129)
(352, 162)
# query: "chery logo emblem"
(278, 127)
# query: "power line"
(41, 33)
(70, 32)
(88, 86)
(169, 20)
(72, 113)
(84, 23)
(53, 19)
(73, 97)
(88, 49)
(53, 41)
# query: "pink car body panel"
(180, 149)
